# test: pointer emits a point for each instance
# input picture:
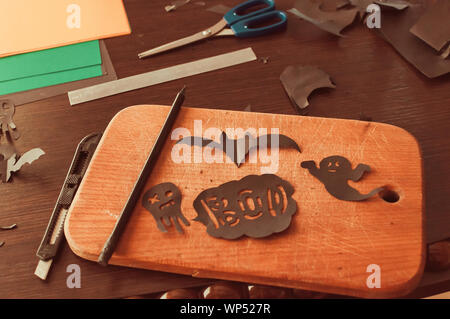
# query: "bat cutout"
(10, 164)
(237, 149)
(334, 173)
(163, 201)
(255, 206)
(7, 110)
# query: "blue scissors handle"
(244, 28)
(243, 25)
(235, 14)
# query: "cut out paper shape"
(395, 28)
(219, 8)
(433, 27)
(238, 149)
(7, 126)
(12, 164)
(334, 173)
(163, 201)
(331, 21)
(255, 206)
(8, 227)
(300, 81)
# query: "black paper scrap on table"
(334, 173)
(255, 206)
(242, 146)
(163, 201)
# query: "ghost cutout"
(163, 201)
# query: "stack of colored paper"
(49, 42)
(50, 67)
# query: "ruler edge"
(235, 58)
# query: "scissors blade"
(184, 41)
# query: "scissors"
(233, 23)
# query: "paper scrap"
(395, 28)
(331, 21)
(37, 25)
(8, 227)
(176, 4)
(219, 8)
(160, 76)
(332, 5)
(446, 52)
(12, 164)
(433, 26)
(300, 81)
(7, 126)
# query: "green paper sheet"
(50, 67)
(49, 61)
(38, 81)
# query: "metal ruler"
(55, 229)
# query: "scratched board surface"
(331, 245)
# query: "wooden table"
(371, 78)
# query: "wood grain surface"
(330, 242)
(371, 78)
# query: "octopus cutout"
(334, 173)
(255, 206)
(163, 201)
(7, 125)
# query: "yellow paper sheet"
(31, 25)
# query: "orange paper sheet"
(31, 25)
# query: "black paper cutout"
(6, 228)
(12, 164)
(7, 110)
(334, 172)
(163, 201)
(255, 206)
(263, 141)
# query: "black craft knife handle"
(55, 229)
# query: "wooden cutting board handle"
(371, 248)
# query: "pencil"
(111, 243)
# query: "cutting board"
(371, 248)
